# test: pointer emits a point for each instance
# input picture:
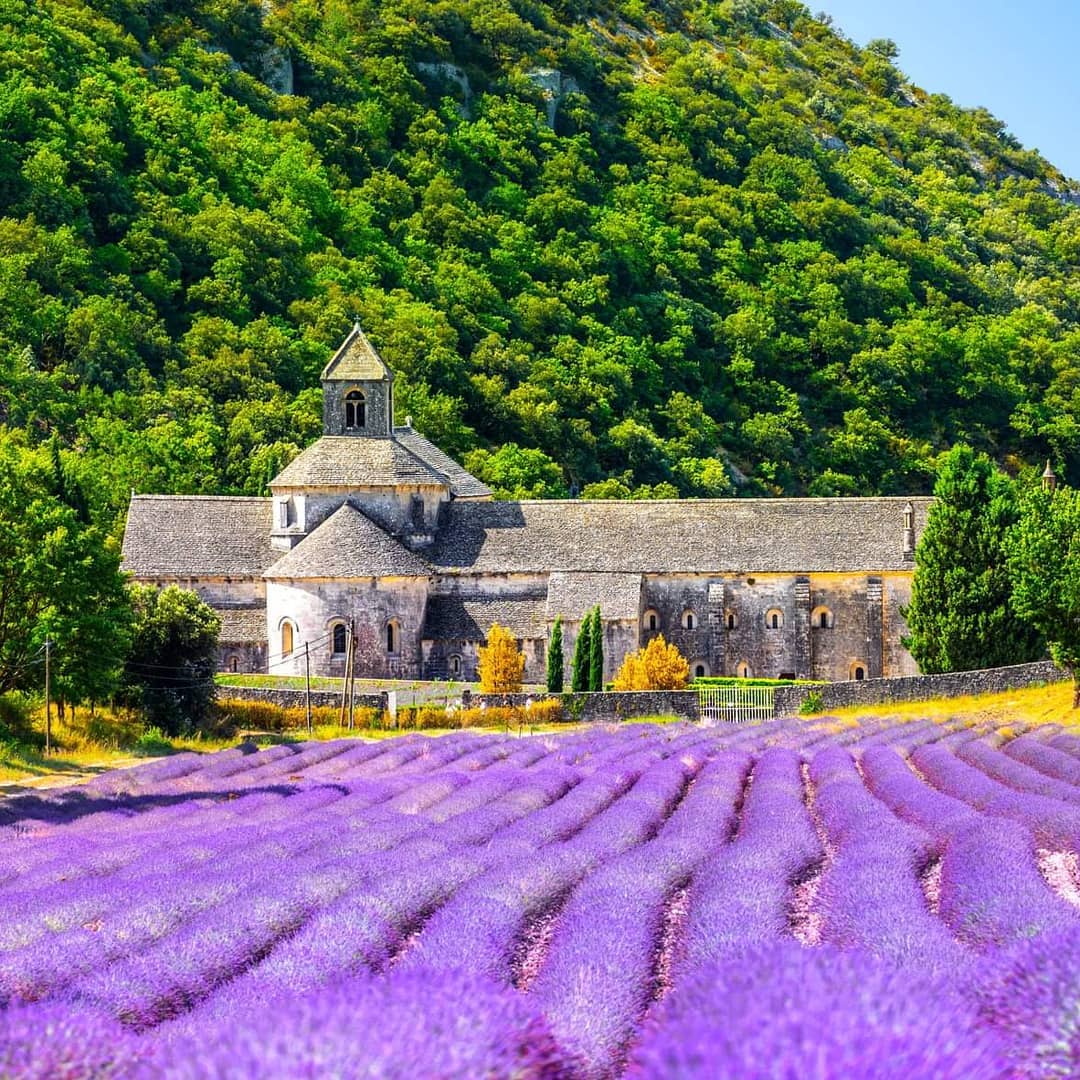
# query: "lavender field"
(775, 901)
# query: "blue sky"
(1018, 60)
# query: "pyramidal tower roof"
(356, 359)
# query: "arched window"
(393, 636)
(742, 670)
(651, 620)
(234, 664)
(858, 671)
(700, 671)
(455, 665)
(688, 620)
(774, 619)
(340, 643)
(732, 622)
(288, 635)
(355, 410)
(822, 618)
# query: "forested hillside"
(708, 248)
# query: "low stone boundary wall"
(294, 699)
(587, 708)
(605, 705)
(841, 695)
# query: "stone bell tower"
(358, 390)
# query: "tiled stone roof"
(465, 618)
(348, 545)
(677, 536)
(178, 536)
(348, 461)
(240, 626)
(573, 595)
(356, 359)
(462, 484)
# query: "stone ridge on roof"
(707, 536)
(357, 359)
(462, 483)
(351, 461)
(572, 594)
(469, 618)
(348, 544)
(184, 536)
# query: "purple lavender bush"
(411, 1025)
(783, 1011)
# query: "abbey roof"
(352, 462)
(463, 485)
(177, 536)
(406, 458)
(183, 536)
(469, 618)
(242, 625)
(676, 536)
(348, 545)
(573, 595)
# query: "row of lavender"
(777, 900)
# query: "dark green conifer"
(579, 677)
(555, 659)
(596, 652)
(961, 614)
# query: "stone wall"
(842, 695)
(294, 699)
(606, 706)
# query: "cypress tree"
(579, 678)
(555, 659)
(961, 614)
(596, 652)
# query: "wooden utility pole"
(352, 676)
(307, 684)
(48, 703)
(345, 677)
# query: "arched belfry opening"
(355, 410)
(358, 390)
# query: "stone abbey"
(374, 534)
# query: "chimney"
(909, 533)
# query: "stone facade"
(374, 535)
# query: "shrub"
(812, 703)
(233, 714)
(659, 666)
(152, 743)
(501, 664)
(16, 724)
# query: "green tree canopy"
(1044, 563)
(170, 669)
(60, 580)
(704, 257)
(962, 616)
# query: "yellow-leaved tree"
(659, 666)
(501, 665)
